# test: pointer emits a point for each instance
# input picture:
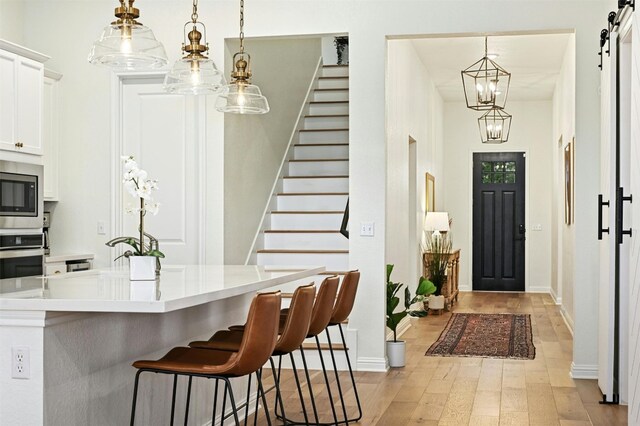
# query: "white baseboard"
(555, 297)
(538, 289)
(567, 319)
(584, 371)
(378, 365)
(465, 288)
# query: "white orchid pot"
(436, 302)
(142, 268)
(396, 353)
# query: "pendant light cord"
(194, 14)
(241, 26)
(485, 46)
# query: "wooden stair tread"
(329, 102)
(324, 346)
(317, 177)
(321, 144)
(325, 115)
(331, 77)
(294, 194)
(335, 66)
(312, 160)
(324, 130)
(337, 89)
(307, 212)
(301, 231)
(303, 251)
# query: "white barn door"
(165, 133)
(634, 222)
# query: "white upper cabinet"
(21, 92)
(50, 133)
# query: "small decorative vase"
(396, 353)
(142, 268)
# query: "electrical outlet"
(537, 227)
(20, 362)
(101, 228)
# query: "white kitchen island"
(84, 330)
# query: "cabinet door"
(50, 120)
(7, 100)
(29, 102)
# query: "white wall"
(254, 145)
(414, 108)
(11, 21)
(564, 126)
(530, 133)
(85, 120)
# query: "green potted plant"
(396, 348)
(439, 249)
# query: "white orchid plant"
(137, 183)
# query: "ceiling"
(534, 61)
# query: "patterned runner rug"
(486, 335)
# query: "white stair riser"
(318, 168)
(333, 136)
(306, 221)
(306, 241)
(312, 202)
(317, 185)
(302, 152)
(331, 95)
(335, 71)
(333, 83)
(325, 109)
(331, 261)
(319, 122)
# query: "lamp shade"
(242, 98)
(128, 47)
(436, 221)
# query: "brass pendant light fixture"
(195, 73)
(495, 126)
(240, 96)
(126, 44)
(485, 84)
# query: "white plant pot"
(436, 302)
(142, 268)
(395, 353)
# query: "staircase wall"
(254, 145)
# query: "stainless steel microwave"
(21, 195)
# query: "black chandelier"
(486, 84)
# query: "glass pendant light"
(495, 126)
(486, 84)
(126, 44)
(195, 73)
(240, 96)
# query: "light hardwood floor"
(475, 391)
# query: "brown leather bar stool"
(258, 342)
(342, 310)
(320, 319)
(293, 331)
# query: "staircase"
(304, 227)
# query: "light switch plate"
(101, 228)
(367, 229)
(537, 227)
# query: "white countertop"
(109, 290)
(65, 257)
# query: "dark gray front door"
(498, 221)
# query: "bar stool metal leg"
(306, 373)
(278, 401)
(186, 408)
(232, 401)
(335, 369)
(262, 395)
(135, 397)
(173, 398)
(224, 404)
(326, 380)
(215, 404)
(353, 380)
(295, 375)
(246, 405)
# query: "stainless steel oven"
(21, 195)
(21, 255)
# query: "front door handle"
(521, 231)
